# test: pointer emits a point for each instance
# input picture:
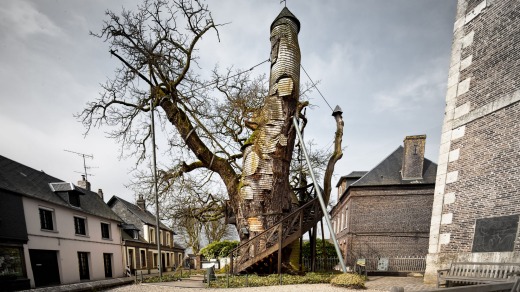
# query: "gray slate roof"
(354, 174)
(388, 172)
(285, 13)
(18, 178)
(144, 216)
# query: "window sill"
(48, 230)
(82, 235)
(107, 239)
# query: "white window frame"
(109, 230)
(86, 225)
(53, 216)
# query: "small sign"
(382, 264)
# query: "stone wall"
(478, 175)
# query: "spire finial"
(284, 2)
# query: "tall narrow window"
(79, 226)
(105, 230)
(143, 258)
(83, 266)
(46, 221)
(151, 235)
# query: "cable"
(314, 85)
(239, 73)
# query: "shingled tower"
(477, 195)
(265, 193)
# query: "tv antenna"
(84, 161)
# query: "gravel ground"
(284, 288)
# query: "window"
(83, 266)
(80, 226)
(11, 261)
(168, 238)
(105, 230)
(143, 258)
(74, 199)
(161, 237)
(46, 219)
(136, 234)
(152, 235)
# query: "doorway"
(107, 261)
(84, 273)
(44, 264)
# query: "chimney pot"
(83, 183)
(141, 203)
(100, 194)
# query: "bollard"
(141, 276)
(247, 280)
(135, 281)
(227, 279)
(281, 279)
(397, 289)
(181, 273)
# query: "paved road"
(195, 284)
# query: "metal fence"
(397, 264)
(322, 263)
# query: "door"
(107, 260)
(163, 263)
(84, 273)
(44, 264)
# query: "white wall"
(64, 240)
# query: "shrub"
(272, 280)
(218, 249)
(348, 281)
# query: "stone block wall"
(478, 174)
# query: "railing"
(322, 263)
(276, 237)
(399, 264)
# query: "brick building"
(477, 200)
(385, 212)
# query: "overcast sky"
(385, 63)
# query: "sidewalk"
(194, 281)
(94, 285)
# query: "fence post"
(247, 280)
(281, 281)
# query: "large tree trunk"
(264, 191)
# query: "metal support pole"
(156, 193)
(320, 197)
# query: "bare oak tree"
(210, 125)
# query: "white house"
(73, 235)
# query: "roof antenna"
(84, 163)
(283, 1)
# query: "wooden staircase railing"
(276, 237)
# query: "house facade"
(72, 235)
(476, 213)
(139, 238)
(385, 212)
(13, 240)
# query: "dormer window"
(136, 234)
(74, 199)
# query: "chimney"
(83, 183)
(141, 203)
(413, 157)
(100, 194)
